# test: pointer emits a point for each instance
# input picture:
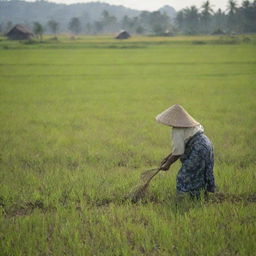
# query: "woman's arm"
(165, 159)
(165, 165)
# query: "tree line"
(190, 20)
(235, 19)
(155, 23)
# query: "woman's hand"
(165, 166)
(165, 160)
(168, 161)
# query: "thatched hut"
(19, 32)
(123, 35)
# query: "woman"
(194, 150)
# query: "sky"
(152, 5)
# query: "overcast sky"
(154, 4)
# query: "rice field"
(77, 129)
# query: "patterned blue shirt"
(196, 172)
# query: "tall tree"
(180, 20)
(232, 21)
(75, 25)
(125, 22)
(192, 20)
(206, 15)
(232, 7)
(253, 16)
(38, 30)
(159, 22)
(248, 17)
(219, 19)
(53, 26)
(108, 21)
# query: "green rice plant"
(77, 129)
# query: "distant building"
(19, 32)
(168, 33)
(123, 35)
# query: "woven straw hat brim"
(176, 116)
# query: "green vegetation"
(77, 129)
(100, 18)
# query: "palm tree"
(220, 20)
(179, 20)
(246, 4)
(206, 14)
(248, 16)
(232, 9)
(191, 19)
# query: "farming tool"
(138, 192)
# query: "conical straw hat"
(176, 116)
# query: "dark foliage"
(235, 20)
